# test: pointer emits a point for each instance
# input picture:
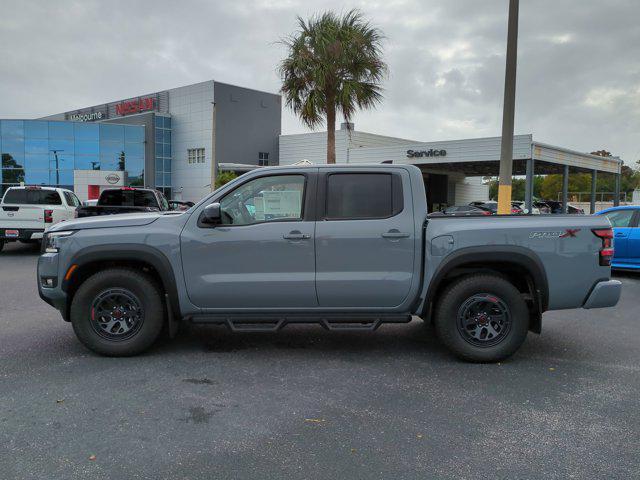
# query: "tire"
(1, 245)
(118, 312)
(482, 318)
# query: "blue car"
(626, 232)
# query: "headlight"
(51, 240)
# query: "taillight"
(486, 212)
(606, 251)
(48, 216)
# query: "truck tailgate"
(21, 217)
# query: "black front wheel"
(482, 318)
(117, 312)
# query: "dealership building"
(452, 170)
(80, 156)
(177, 141)
(190, 133)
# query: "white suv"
(27, 212)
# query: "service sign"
(426, 153)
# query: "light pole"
(214, 162)
(508, 113)
(55, 155)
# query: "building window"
(163, 152)
(47, 152)
(195, 155)
(263, 159)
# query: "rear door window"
(128, 198)
(362, 196)
(32, 197)
(71, 199)
(164, 203)
(620, 218)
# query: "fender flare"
(505, 254)
(139, 253)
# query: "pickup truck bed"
(348, 247)
(118, 201)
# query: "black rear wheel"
(118, 312)
(482, 318)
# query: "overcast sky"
(578, 65)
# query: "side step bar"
(269, 323)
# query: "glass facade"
(40, 152)
(163, 154)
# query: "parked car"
(523, 206)
(625, 221)
(27, 212)
(542, 207)
(556, 207)
(114, 201)
(465, 210)
(492, 207)
(348, 247)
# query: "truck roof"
(34, 187)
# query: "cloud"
(578, 67)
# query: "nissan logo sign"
(112, 178)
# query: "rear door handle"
(395, 234)
(621, 234)
(296, 235)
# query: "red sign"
(135, 106)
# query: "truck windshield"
(128, 198)
(24, 196)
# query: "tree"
(334, 65)
(224, 177)
(518, 188)
(16, 174)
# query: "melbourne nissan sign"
(136, 106)
(426, 153)
(87, 116)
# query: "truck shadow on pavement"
(408, 338)
(416, 340)
(17, 249)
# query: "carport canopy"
(481, 157)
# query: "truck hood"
(107, 221)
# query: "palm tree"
(334, 64)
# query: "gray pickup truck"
(347, 247)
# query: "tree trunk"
(331, 132)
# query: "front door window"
(266, 199)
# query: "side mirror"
(211, 215)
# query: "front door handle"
(621, 234)
(296, 235)
(394, 234)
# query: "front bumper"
(604, 294)
(23, 234)
(54, 296)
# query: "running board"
(269, 323)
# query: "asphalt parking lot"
(306, 403)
